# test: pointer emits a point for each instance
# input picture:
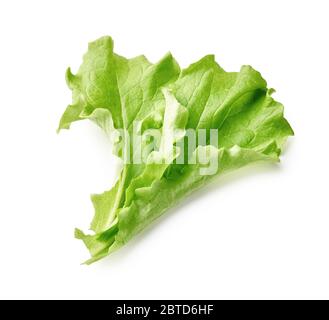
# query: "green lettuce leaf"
(117, 93)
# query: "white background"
(259, 233)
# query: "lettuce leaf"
(116, 93)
